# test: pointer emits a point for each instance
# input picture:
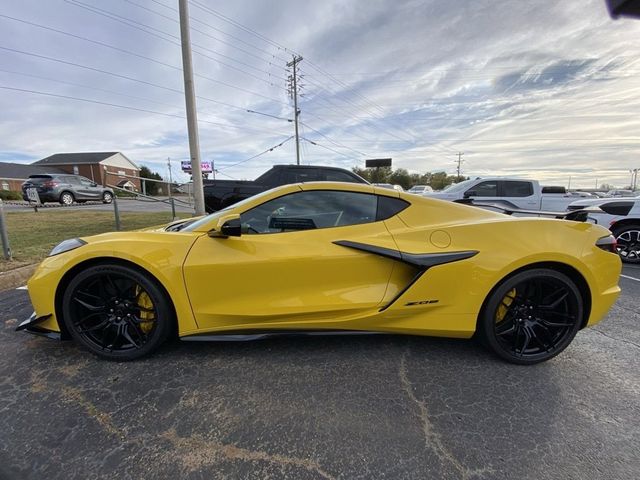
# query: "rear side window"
(389, 206)
(485, 189)
(517, 189)
(71, 180)
(39, 179)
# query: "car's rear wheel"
(532, 316)
(67, 198)
(107, 197)
(628, 243)
(117, 312)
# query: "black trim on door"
(421, 261)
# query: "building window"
(76, 171)
(5, 185)
(121, 172)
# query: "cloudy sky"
(546, 90)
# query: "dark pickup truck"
(219, 194)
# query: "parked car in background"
(622, 217)
(621, 193)
(389, 186)
(420, 189)
(66, 189)
(513, 192)
(219, 194)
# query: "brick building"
(12, 175)
(104, 168)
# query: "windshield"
(457, 187)
(195, 225)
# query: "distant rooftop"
(75, 158)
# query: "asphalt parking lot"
(383, 407)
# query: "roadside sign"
(205, 165)
(32, 195)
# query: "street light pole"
(190, 100)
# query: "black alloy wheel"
(628, 243)
(107, 197)
(532, 316)
(116, 312)
(67, 198)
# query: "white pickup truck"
(514, 192)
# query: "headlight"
(67, 245)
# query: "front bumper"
(32, 323)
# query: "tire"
(628, 243)
(117, 312)
(107, 197)
(531, 317)
(67, 198)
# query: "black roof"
(22, 171)
(75, 158)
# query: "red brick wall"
(112, 177)
(14, 185)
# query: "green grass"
(32, 235)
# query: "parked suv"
(66, 189)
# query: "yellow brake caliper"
(147, 317)
(503, 308)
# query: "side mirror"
(94, 184)
(470, 193)
(227, 226)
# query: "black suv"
(66, 189)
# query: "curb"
(16, 277)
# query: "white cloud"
(538, 89)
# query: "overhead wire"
(127, 107)
(130, 23)
(271, 149)
(118, 75)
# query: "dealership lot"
(331, 407)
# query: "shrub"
(9, 195)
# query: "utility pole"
(459, 162)
(190, 100)
(634, 178)
(293, 91)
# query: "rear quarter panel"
(504, 244)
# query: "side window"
(389, 206)
(71, 180)
(516, 189)
(337, 176)
(310, 210)
(485, 189)
(297, 176)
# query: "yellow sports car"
(331, 258)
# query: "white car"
(622, 217)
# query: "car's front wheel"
(531, 316)
(67, 198)
(107, 197)
(628, 243)
(117, 312)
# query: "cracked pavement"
(383, 407)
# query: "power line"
(128, 22)
(195, 20)
(275, 57)
(127, 107)
(325, 147)
(337, 144)
(203, 33)
(271, 149)
(117, 75)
